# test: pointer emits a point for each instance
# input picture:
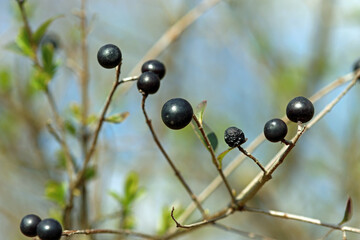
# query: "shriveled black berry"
(154, 66)
(29, 224)
(176, 113)
(300, 109)
(49, 229)
(234, 137)
(275, 130)
(148, 83)
(109, 56)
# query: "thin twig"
(228, 212)
(171, 163)
(91, 151)
(214, 159)
(84, 83)
(301, 219)
(246, 153)
(81, 173)
(68, 233)
(235, 163)
(248, 235)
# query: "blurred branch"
(174, 32)
(248, 235)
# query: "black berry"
(154, 66)
(176, 113)
(28, 225)
(234, 137)
(49, 229)
(275, 130)
(109, 56)
(148, 83)
(300, 109)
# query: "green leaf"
(23, 43)
(39, 33)
(5, 81)
(209, 133)
(60, 159)
(70, 127)
(116, 197)
(56, 192)
(117, 118)
(47, 53)
(90, 173)
(199, 111)
(13, 46)
(348, 212)
(75, 110)
(222, 155)
(40, 79)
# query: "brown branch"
(259, 181)
(171, 163)
(214, 159)
(246, 153)
(248, 235)
(235, 163)
(125, 232)
(301, 219)
(227, 213)
(91, 151)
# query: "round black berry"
(176, 113)
(154, 66)
(275, 130)
(300, 109)
(148, 83)
(28, 225)
(234, 137)
(49, 229)
(109, 56)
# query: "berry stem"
(80, 175)
(214, 160)
(286, 142)
(253, 158)
(171, 163)
(235, 163)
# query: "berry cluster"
(47, 229)
(298, 110)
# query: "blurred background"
(246, 58)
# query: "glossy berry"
(148, 83)
(300, 109)
(28, 225)
(49, 229)
(109, 56)
(275, 130)
(154, 66)
(176, 113)
(234, 137)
